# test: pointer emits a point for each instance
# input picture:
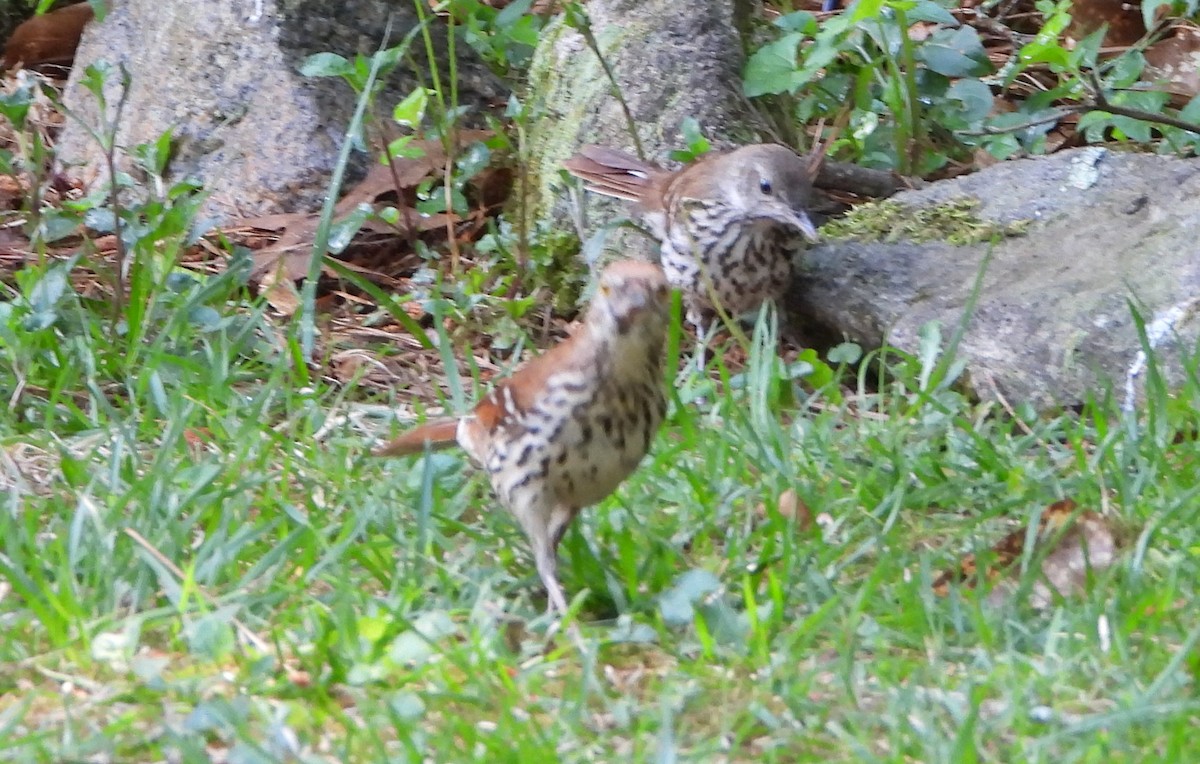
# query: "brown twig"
(410, 226)
(1100, 102)
(863, 181)
(1053, 117)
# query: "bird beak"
(796, 219)
(799, 220)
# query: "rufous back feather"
(435, 435)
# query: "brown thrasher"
(730, 224)
(565, 429)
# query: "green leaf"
(341, 233)
(957, 53)
(211, 635)
(473, 160)
(927, 10)
(930, 348)
(1054, 55)
(697, 144)
(827, 47)
(49, 289)
(326, 65)
(798, 21)
(1038, 119)
(204, 318)
(415, 647)
(1126, 69)
(975, 96)
(1087, 50)
(772, 68)
(1045, 47)
(410, 111)
(1135, 130)
(1191, 112)
(678, 604)
(14, 106)
(1150, 11)
(511, 13)
(818, 373)
(1002, 146)
(846, 352)
(75, 472)
(863, 10)
(400, 148)
(407, 706)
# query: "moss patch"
(955, 222)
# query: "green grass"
(197, 561)
(337, 608)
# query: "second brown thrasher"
(569, 426)
(730, 224)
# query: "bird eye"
(764, 185)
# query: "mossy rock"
(670, 66)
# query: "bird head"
(770, 183)
(632, 298)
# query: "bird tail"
(434, 435)
(613, 173)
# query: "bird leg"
(545, 557)
(705, 331)
(545, 542)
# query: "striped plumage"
(730, 225)
(568, 427)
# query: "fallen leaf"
(793, 508)
(280, 293)
(1173, 63)
(1082, 543)
(289, 256)
(1122, 19)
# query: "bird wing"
(613, 173)
(504, 406)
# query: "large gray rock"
(671, 63)
(223, 76)
(1053, 322)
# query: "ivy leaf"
(772, 69)
(1150, 11)
(846, 352)
(975, 96)
(1038, 121)
(1087, 50)
(797, 21)
(511, 14)
(326, 65)
(927, 10)
(1126, 70)
(1191, 112)
(1002, 146)
(956, 53)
